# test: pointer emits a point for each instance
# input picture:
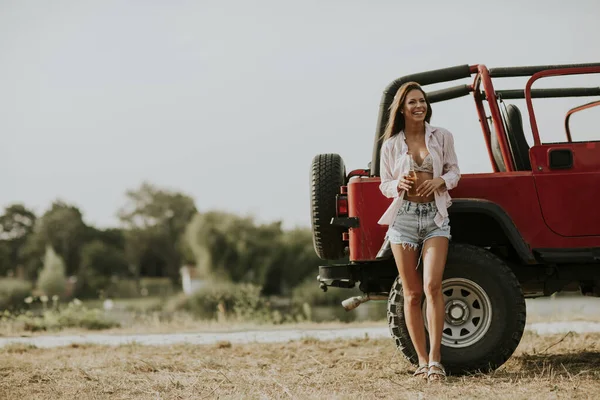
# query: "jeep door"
(567, 180)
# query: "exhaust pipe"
(353, 302)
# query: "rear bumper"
(372, 277)
(336, 276)
(335, 272)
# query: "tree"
(155, 220)
(52, 280)
(299, 262)
(63, 228)
(233, 247)
(227, 246)
(5, 262)
(16, 223)
(16, 226)
(31, 255)
(114, 237)
(100, 262)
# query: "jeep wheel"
(485, 312)
(327, 175)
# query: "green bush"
(13, 292)
(75, 315)
(218, 300)
(91, 285)
(162, 287)
(310, 293)
(142, 305)
(123, 289)
(80, 317)
(95, 286)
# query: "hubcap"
(457, 312)
(468, 312)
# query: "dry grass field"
(544, 367)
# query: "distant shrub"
(162, 287)
(225, 300)
(80, 317)
(52, 280)
(75, 315)
(13, 292)
(90, 285)
(310, 293)
(115, 287)
(122, 289)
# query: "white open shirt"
(395, 164)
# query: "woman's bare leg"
(412, 286)
(435, 251)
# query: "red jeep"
(528, 229)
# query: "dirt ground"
(544, 367)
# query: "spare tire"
(485, 312)
(328, 173)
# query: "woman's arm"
(450, 170)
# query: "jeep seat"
(496, 152)
(513, 123)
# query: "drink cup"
(412, 176)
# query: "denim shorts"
(414, 224)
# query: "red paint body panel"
(366, 202)
(515, 192)
(569, 198)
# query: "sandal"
(423, 370)
(436, 372)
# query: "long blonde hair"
(396, 119)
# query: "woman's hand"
(428, 187)
(404, 183)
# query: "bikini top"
(426, 165)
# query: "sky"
(229, 101)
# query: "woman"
(419, 218)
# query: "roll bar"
(573, 111)
(482, 78)
(578, 70)
(509, 72)
(423, 78)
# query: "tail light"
(342, 205)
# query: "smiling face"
(415, 106)
(409, 106)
